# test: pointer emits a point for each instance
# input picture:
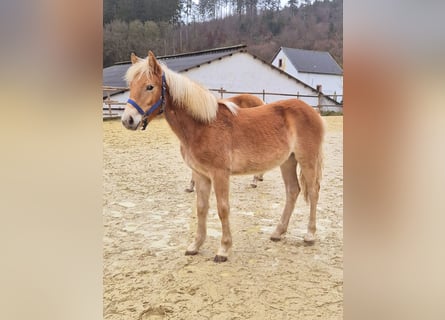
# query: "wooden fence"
(263, 94)
(108, 111)
(112, 108)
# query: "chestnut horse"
(219, 140)
(242, 101)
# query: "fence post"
(319, 102)
(222, 92)
(264, 95)
(109, 103)
(319, 98)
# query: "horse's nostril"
(130, 120)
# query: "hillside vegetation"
(178, 26)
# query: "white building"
(231, 70)
(315, 68)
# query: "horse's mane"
(199, 102)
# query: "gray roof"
(114, 76)
(312, 61)
(184, 63)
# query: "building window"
(280, 63)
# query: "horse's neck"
(182, 123)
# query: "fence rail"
(109, 109)
(297, 95)
(108, 102)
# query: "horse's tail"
(318, 169)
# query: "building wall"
(286, 66)
(242, 72)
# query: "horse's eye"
(149, 87)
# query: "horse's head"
(147, 89)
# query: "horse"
(242, 101)
(219, 140)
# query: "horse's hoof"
(191, 253)
(253, 185)
(309, 239)
(219, 259)
(189, 190)
(275, 239)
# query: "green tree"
(110, 7)
(143, 10)
(293, 6)
(136, 37)
(115, 42)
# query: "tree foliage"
(140, 25)
(143, 10)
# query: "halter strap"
(158, 103)
(136, 106)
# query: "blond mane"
(199, 102)
(139, 68)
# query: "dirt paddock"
(149, 220)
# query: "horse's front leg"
(221, 187)
(192, 182)
(203, 187)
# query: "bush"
(331, 113)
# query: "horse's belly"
(250, 164)
(203, 164)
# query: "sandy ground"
(149, 220)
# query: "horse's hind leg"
(289, 174)
(256, 178)
(312, 187)
(203, 187)
(221, 187)
(191, 188)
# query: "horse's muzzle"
(130, 120)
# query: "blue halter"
(154, 107)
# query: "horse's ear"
(134, 58)
(153, 63)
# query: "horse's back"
(246, 100)
(291, 120)
(283, 110)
